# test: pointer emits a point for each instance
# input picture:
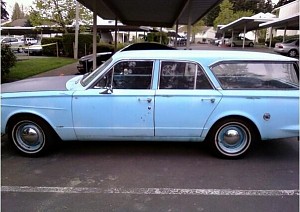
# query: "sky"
(27, 3)
(11, 3)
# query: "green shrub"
(155, 37)
(51, 50)
(85, 44)
(105, 47)
(261, 40)
(8, 60)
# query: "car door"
(120, 105)
(184, 101)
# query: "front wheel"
(231, 138)
(30, 136)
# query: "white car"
(289, 48)
(238, 41)
(29, 41)
(14, 43)
(34, 49)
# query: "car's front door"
(119, 105)
(184, 101)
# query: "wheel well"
(29, 115)
(242, 118)
(294, 50)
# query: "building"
(285, 12)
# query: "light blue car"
(229, 99)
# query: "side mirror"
(108, 90)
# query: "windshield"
(91, 76)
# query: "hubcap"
(29, 137)
(232, 139)
(293, 54)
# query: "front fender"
(55, 109)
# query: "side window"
(182, 75)
(256, 75)
(128, 75)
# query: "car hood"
(57, 83)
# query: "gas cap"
(267, 116)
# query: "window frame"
(294, 63)
(198, 66)
(112, 68)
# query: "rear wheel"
(231, 138)
(30, 136)
(251, 44)
(292, 53)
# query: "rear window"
(289, 41)
(256, 75)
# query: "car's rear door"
(184, 100)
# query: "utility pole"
(76, 31)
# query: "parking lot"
(146, 176)
(152, 176)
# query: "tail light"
(279, 46)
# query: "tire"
(30, 136)
(231, 138)
(251, 44)
(233, 44)
(292, 53)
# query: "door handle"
(212, 100)
(145, 100)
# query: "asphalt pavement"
(151, 176)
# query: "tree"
(254, 5)
(283, 2)
(268, 6)
(211, 16)
(59, 12)
(17, 12)
(227, 14)
(4, 13)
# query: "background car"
(33, 49)
(289, 48)
(85, 63)
(14, 43)
(238, 41)
(29, 41)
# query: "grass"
(27, 68)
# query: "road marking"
(150, 191)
